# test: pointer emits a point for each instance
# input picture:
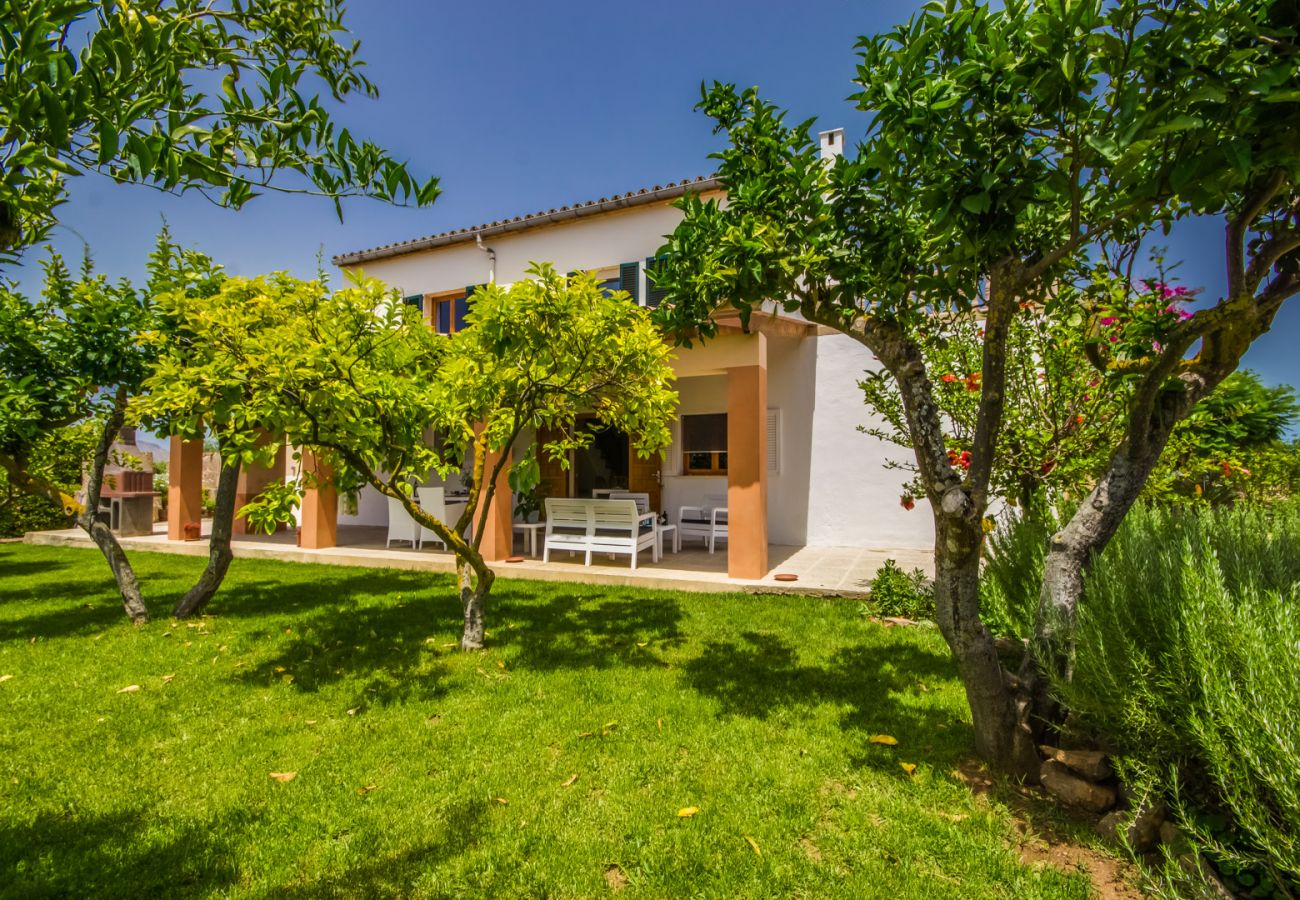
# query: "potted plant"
(528, 504)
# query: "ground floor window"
(704, 444)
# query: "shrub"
(898, 593)
(21, 514)
(1187, 648)
(1013, 573)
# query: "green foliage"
(1230, 446)
(69, 356)
(898, 593)
(1186, 665)
(131, 90)
(56, 459)
(655, 700)
(1012, 574)
(1061, 420)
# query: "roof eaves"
(642, 197)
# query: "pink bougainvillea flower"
(1114, 339)
(1108, 321)
(1157, 346)
(907, 501)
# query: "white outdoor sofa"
(598, 526)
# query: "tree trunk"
(1002, 738)
(127, 584)
(473, 599)
(219, 553)
(1069, 557)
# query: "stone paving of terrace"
(839, 571)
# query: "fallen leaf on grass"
(502, 800)
(615, 878)
(643, 643)
(309, 721)
(887, 739)
(283, 776)
(279, 669)
(130, 689)
(501, 664)
(753, 845)
(4, 678)
(687, 811)
(354, 710)
(367, 789)
(167, 678)
(570, 781)
(909, 768)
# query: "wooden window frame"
(433, 301)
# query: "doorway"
(609, 463)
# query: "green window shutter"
(653, 295)
(628, 278)
(416, 300)
(462, 305)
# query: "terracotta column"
(184, 487)
(253, 480)
(747, 467)
(320, 508)
(498, 533)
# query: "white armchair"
(708, 524)
(401, 527)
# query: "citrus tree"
(356, 378)
(1003, 146)
(181, 95)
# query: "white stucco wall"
(591, 243)
(853, 499)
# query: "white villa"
(769, 422)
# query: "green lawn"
(425, 772)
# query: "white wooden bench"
(598, 526)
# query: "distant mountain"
(159, 447)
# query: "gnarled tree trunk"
(473, 600)
(219, 553)
(127, 584)
(997, 711)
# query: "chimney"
(832, 144)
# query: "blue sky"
(526, 106)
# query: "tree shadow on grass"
(761, 674)
(454, 830)
(385, 642)
(66, 621)
(584, 628)
(16, 568)
(106, 856)
(328, 586)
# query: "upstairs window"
(653, 295)
(447, 311)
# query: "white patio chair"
(718, 526)
(709, 524)
(401, 527)
(642, 499)
(433, 501)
